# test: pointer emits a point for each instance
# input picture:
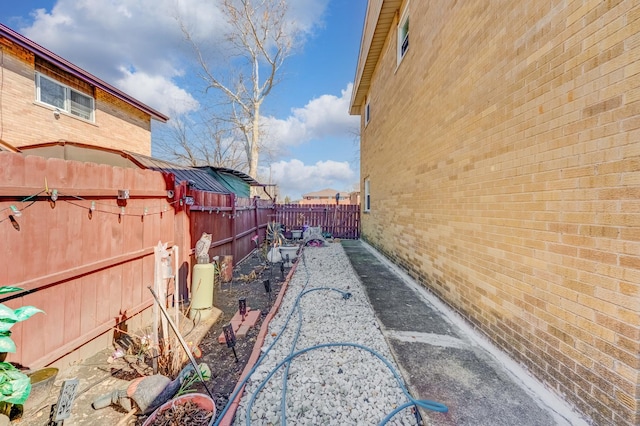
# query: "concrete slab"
(471, 384)
(402, 308)
(440, 362)
(251, 317)
(242, 331)
(95, 377)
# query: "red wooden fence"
(87, 258)
(341, 221)
(232, 221)
(84, 259)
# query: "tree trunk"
(255, 139)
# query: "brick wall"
(503, 155)
(117, 124)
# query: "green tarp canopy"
(233, 183)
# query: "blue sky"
(136, 45)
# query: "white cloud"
(325, 116)
(136, 45)
(126, 41)
(305, 14)
(294, 178)
(158, 91)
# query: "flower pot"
(41, 383)
(296, 234)
(201, 400)
(290, 251)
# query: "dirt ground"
(248, 282)
(99, 377)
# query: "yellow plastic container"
(202, 290)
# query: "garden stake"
(182, 342)
(230, 338)
(242, 307)
(267, 288)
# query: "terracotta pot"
(203, 401)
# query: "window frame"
(402, 36)
(367, 196)
(69, 106)
(367, 112)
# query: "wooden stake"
(126, 418)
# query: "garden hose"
(422, 403)
(216, 421)
(426, 404)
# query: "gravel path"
(332, 385)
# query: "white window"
(367, 113)
(403, 35)
(367, 196)
(63, 97)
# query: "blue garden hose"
(426, 404)
(431, 405)
(240, 385)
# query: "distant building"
(326, 196)
(46, 98)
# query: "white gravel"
(328, 386)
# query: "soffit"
(379, 19)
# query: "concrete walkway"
(443, 360)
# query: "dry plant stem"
(182, 342)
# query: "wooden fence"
(86, 258)
(231, 220)
(341, 221)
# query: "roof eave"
(371, 47)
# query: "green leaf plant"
(15, 386)
(8, 317)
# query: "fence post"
(255, 215)
(234, 234)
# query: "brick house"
(325, 196)
(47, 98)
(500, 164)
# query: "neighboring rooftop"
(325, 193)
(78, 72)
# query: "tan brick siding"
(503, 155)
(117, 124)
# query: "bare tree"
(261, 39)
(355, 135)
(206, 143)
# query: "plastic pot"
(201, 400)
(41, 384)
